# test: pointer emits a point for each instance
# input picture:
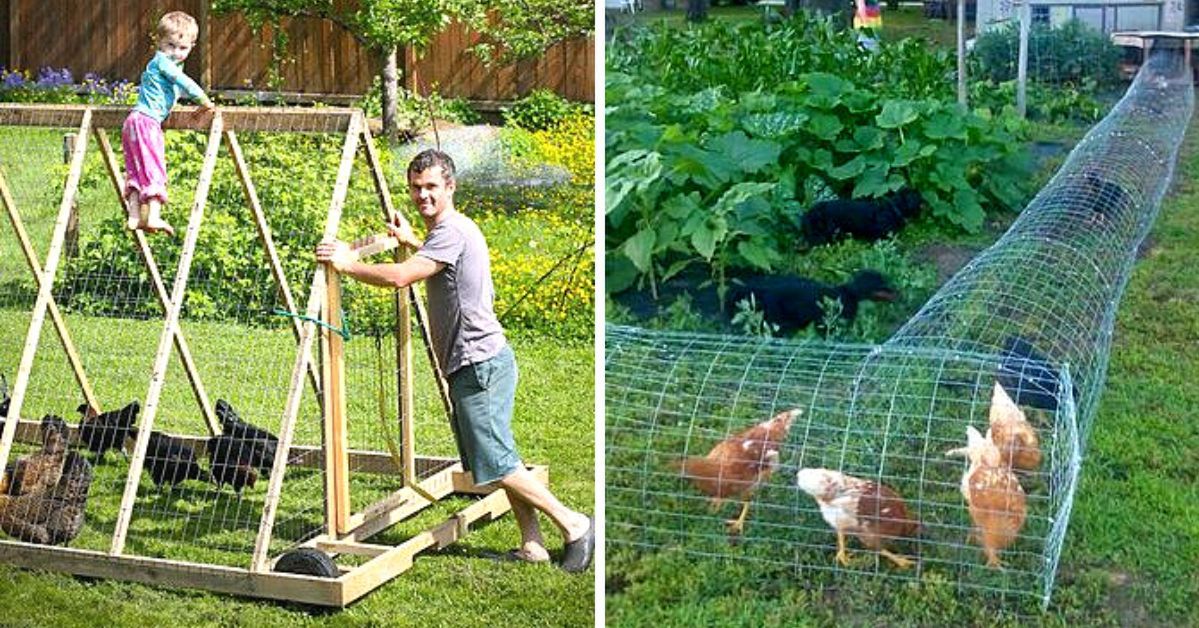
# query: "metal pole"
(962, 52)
(1022, 63)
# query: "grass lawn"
(1133, 540)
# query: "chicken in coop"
(739, 464)
(171, 461)
(1015, 437)
(100, 432)
(232, 462)
(874, 513)
(993, 495)
(260, 445)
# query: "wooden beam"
(357, 549)
(335, 438)
(160, 290)
(35, 267)
(268, 243)
(168, 337)
(388, 565)
(44, 293)
(172, 574)
(275, 119)
(316, 296)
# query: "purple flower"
(49, 78)
(12, 80)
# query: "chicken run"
(949, 453)
(219, 363)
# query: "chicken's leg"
(736, 526)
(842, 555)
(900, 561)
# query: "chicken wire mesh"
(689, 450)
(235, 329)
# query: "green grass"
(1133, 539)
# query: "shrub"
(59, 87)
(413, 109)
(1073, 53)
(542, 109)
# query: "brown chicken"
(993, 495)
(1015, 437)
(872, 512)
(740, 463)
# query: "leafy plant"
(542, 109)
(1068, 54)
(751, 320)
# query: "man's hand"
(337, 253)
(402, 231)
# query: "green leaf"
(739, 193)
(640, 249)
(758, 254)
(825, 126)
(969, 215)
(908, 152)
(709, 169)
(849, 169)
(706, 238)
(825, 90)
(943, 125)
(681, 206)
(774, 125)
(872, 182)
(896, 113)
(868, 138)
(750, 154)
(619, 273)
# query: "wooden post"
(71, 243)
(160, 289)
(60, 325)
(336, 443)
(170, 335)
(316, 297)
(268, 243)
(44, 292)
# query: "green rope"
(344, 331)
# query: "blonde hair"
(177, 24)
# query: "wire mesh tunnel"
(1023, 330)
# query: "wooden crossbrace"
(160, 290)
(35, 267)
(169, 336)
(44, 292)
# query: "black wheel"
(309, 562)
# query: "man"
(474, 355)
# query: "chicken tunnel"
(948, 455)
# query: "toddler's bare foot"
(133, 214)
(155, 225)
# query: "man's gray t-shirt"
(461, 296)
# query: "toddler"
(141, 136)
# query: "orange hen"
(874, 513)
(993, 495)
(737, 465)
(1011, 432)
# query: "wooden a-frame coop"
(343, 533)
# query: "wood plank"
(388, 565)
(293, 120)
(268, 244)
(160, 290)
(402, 504)
(41, 305)
(172, 574)
(354, 548)
(304, 354)
(35, 267)
(168, 337)
(337, 471)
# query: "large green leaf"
(943, 125)
(825, 126)
(756, 252)
(709, 235)
(750, 154)
(872, 182)
(740, 193)
(825, 90)
(774, 125)
(896, 113)
(849, 169)
(640, 249)
(619, 272)
(707, 168)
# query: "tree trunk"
(391, 85)
(697, 10)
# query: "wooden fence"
(112, 39)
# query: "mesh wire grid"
(1034, 312)
(242, 349)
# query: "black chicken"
(5, 401)
(793, 303)
(101, 432)
(1028, 376)
(170, 461)
(261, 443)
(231, 462)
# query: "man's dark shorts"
(483, 395)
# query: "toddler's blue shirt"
(162, 83)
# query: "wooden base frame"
(386, 561)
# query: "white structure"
(1103, 15)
